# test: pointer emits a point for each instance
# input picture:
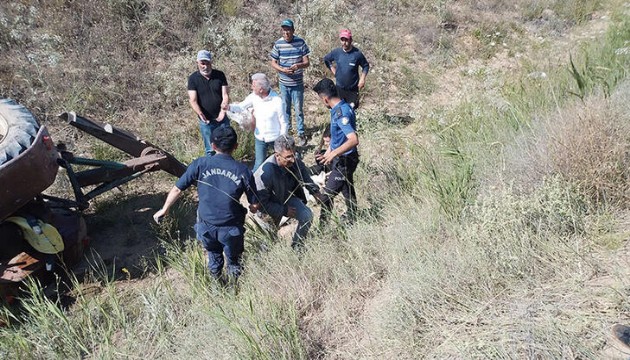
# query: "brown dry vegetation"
(493, 182)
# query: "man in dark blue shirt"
(347, 59)
(220, 181)
(342, 152)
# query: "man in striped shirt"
(289, 57)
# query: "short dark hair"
(326, 133)
(326, 87)
(224, 138)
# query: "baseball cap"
(287, 22)
(204, 55)
(345, 33)
(224, 138)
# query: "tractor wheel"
(18, 129)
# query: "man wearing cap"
(289, 57)
(280, 181)
(220, 181)
(342, 153)
(347, 59)
(208, 96)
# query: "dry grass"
(492, 222)
(587, 143)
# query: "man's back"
(220, 183)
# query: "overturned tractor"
(39, 232)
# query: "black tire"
(18, 129)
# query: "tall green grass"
(452, 256)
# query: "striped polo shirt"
(287, 54)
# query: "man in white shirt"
(268, 113)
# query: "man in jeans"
(220, 181)
(268, 111)
(289, 57)
(208, 97)
(280, 181)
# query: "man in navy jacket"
(220, 181)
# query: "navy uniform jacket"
(221, 181)
(342, 123)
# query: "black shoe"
(347, 219)
(301, 140)
(622, 333)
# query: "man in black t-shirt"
(208, 95)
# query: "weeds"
(481, 225)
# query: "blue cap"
(204, 55)
(288, 23)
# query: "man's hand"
(220, 117)
(202, 117)
(253, 208)
(291, 212)
(334, 70)
(288, 70)
(361, 83)
(158, 216)
(327, 158)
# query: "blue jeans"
(304, 216)
(293, 95)
(218, 240)
(206, 132)
(262, 149)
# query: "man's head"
(345, 36)
(284, 148)
(224, 139)
(260, 85)
(287, 29)
(327, 92)
(204, 62)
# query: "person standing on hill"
(208, 95)
(344, 62)
(280, 181)
(220, 181)
(289, 57)
(268, 112)
(342, 152)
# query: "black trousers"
(350, 96)
(341, 180)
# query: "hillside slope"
(492, 186)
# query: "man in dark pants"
(221, 181)
(344, 62)
(342, 152)
(208, 95)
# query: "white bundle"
(244, 119)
